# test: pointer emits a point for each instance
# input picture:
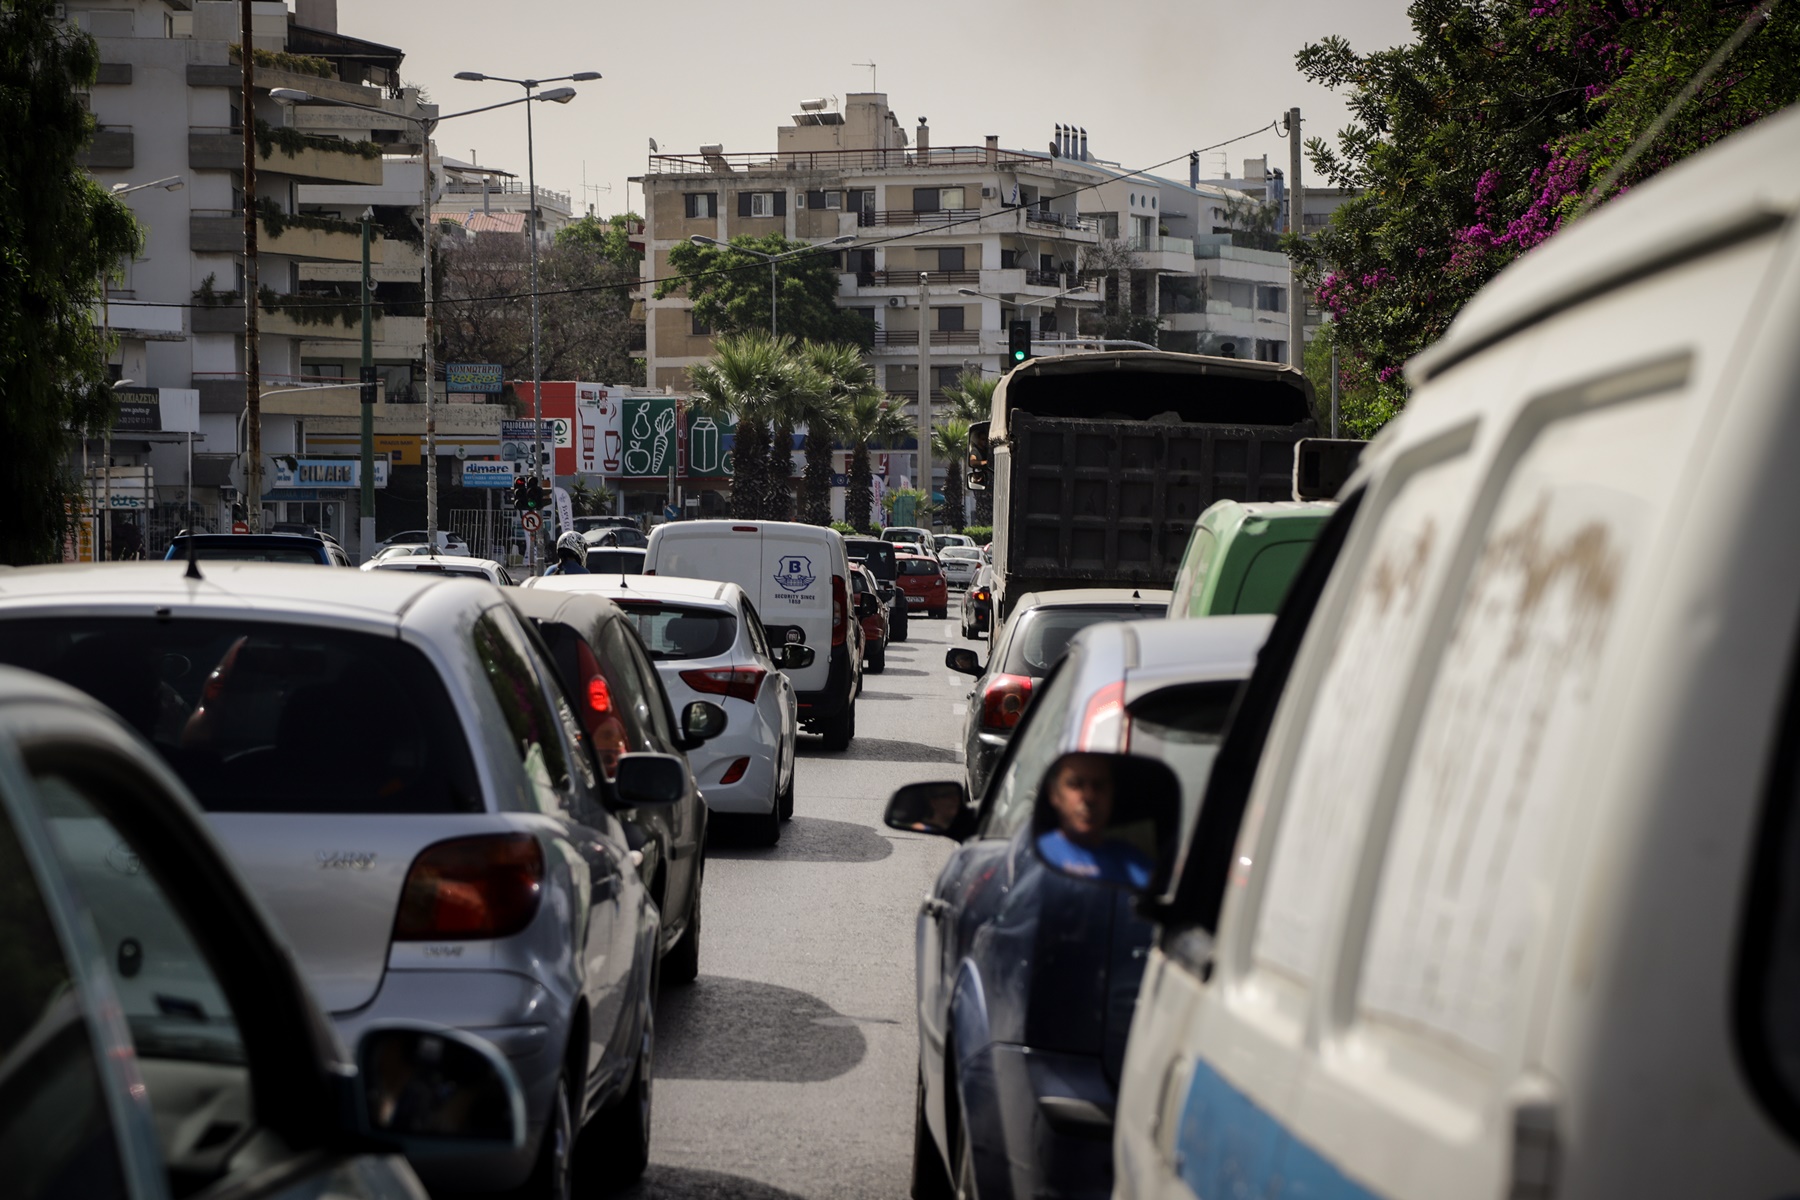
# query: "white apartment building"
(167, 103)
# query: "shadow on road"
(866, 749)
(741, 1030)
(685, 1183)
(905, 671)
(867, 695)
(806, 839)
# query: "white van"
(798, 577)
(1513, 908)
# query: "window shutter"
(815, 199)
(743, 204)
(781, 204)
(688, 203)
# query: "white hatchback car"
(709, 644)
(960, 563)
(444, 564)
(448, 543)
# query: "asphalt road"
(787, 1069)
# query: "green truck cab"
(1241, 557)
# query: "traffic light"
(1018, 342)
(534, 495)
(518, 493)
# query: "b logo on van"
(796, 573)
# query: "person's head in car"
(1082, 795)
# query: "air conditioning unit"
(895, 302)
(987, 193)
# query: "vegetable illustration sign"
(649, 424)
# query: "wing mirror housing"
(649, 780)
(795, 657)
(1112, 819)
(701, 721)
(434, 1092)
(979, 469)
(867, 605)
(936, 808)
(963, 661)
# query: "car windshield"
(268, 717)
(262, 554)
(918, 566)
(672, 631)
(1043, 635)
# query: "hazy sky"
(1149, 79)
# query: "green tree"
(950, 442)
(1480, 139)
(608, 239)
(59, 232)
(730, 290)
(844, 376)
(736, 384)
(793, 393)
(870, 419)
(971, 398)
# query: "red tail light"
(739, 683)
(1106, 726)
(840, 607)
(650, 572)
(979, 594)
(1004, 699)
(599, 698)
(473, 887)
(735, 771)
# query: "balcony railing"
(904, 278)
(906, 216)
(939, 337)
(513, 187)
(1163, 245)
(1044, 216)
(834, 161)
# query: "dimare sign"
(326, 473)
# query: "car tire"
(552, 1176)
(878, 659)
(840, 729)
(682, 963)
(897, 625)
(614, 1149)
(930, 1181)
(940, 614)
(765, 828)
(784, 802)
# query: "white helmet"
(572, 543)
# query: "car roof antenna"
(193, 567)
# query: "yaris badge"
(796, 574)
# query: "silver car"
(395, 770)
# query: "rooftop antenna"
(871, 65)
(193, 567)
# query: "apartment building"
(168, 105)
(468, 190)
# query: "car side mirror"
(649, 780)
(963, 661)
(867, 605)
(431, 1091)
(795, 657)
(938, 808)
(702, 721)
(1109, 818)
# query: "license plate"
(920, 600)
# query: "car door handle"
(934, 907)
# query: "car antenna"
(193, 567)
(1135, 595)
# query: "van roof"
(650, 587)
(717, 528)
(1680, 213)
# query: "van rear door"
(795, 591)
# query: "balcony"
(886, 338)
(1055, 220)
(395, 338)
(220, 148)
(216, 231)
(831, 162)
(910, 279)
(308, 317)
(112, 148)
(390, 261)
(1168, 254)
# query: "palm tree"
(791, 392)
(950, 441)
(971, 398)
(843, 375)
(736, 383)
(870, 419)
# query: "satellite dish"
(653, 145)
(1054, 152)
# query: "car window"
(1042, 635)
(594, 689)
(56, 1133)
(1268, 576)
(268, 717)
(506, 662)
(916, 566)
(1190, 580)
(634, 706)
(655, 703)
(297, 555)
(1183, 726)
(759, 639)
(672, 630)
(1035, 745)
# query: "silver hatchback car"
(399, 776)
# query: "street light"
(702, 240)
(426, 127)
(173, 183)
(560, 95)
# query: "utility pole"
(537, 375)
(1334, 384)
(1296, 213)
(426, 128)
(252, 351)
(366, 531)
(925, 393)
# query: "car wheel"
(929, 1179)
(840, 729)
(878, 659)
(614, 1149)
(897, 629)
(682, 964)
(552, 1178)
(940, 614)
(766, 827)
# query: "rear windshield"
(266, 717)
(877, 556)
(968, 552)
(1044, 634)
(262, 554)
(671, 631)
(611, 562)
(917, 566)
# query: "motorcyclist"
(571, 555)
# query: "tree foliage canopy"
(1481, 139)
(59, 232)
(730, 290)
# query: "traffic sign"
(532, 521)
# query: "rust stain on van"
(1584, 560)
(1400, 575)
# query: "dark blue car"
(1027, 979)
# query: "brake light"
(735, 771)
(472, 887)
(1105, 726)
(738, 683)
(840, 628)
(599, 699)
(1004, 699)
(651, 571)
(979, 594)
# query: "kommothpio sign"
(326, 473)
(474, 377)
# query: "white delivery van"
(1513, 906)
(798, 577)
